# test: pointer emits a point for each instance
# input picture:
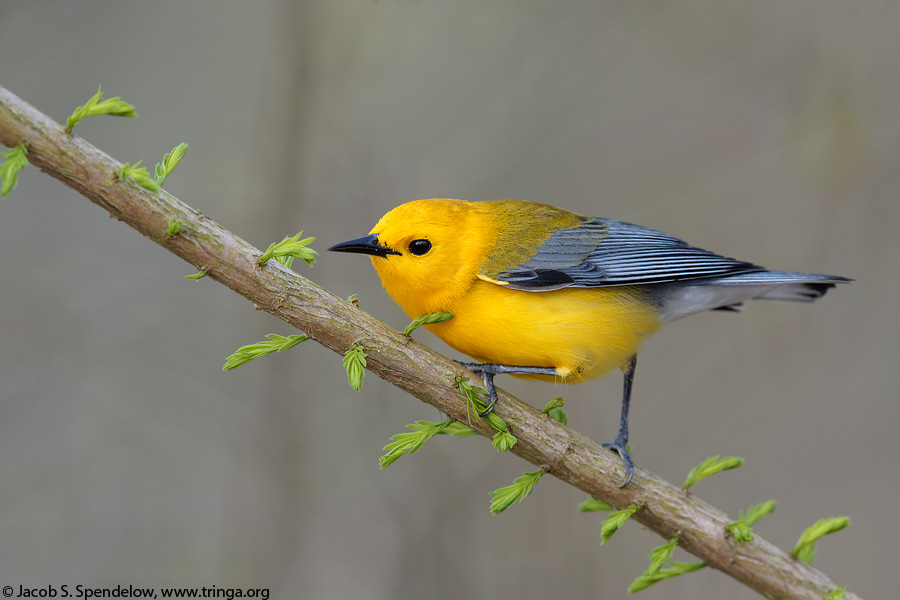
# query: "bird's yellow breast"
(581, 332)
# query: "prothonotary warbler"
(542, 292)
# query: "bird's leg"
(620, 444)
(488, 370)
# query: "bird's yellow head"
(427, 252)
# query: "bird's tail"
(679, 299)
(783, 285)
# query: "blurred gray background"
(766, 130)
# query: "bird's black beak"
(367, 244)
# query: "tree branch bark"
(338, 325)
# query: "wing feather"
(601, 252)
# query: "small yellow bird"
(542, 292)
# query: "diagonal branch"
(338, 325)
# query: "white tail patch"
(682, 300)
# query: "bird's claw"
(474, 367)
(492, 400)
(487, 373)
(622, 449)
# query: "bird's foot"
(474, 367)
(487, 372)
(621, 447)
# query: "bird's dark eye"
(419, 247)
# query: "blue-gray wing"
(601, 252)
